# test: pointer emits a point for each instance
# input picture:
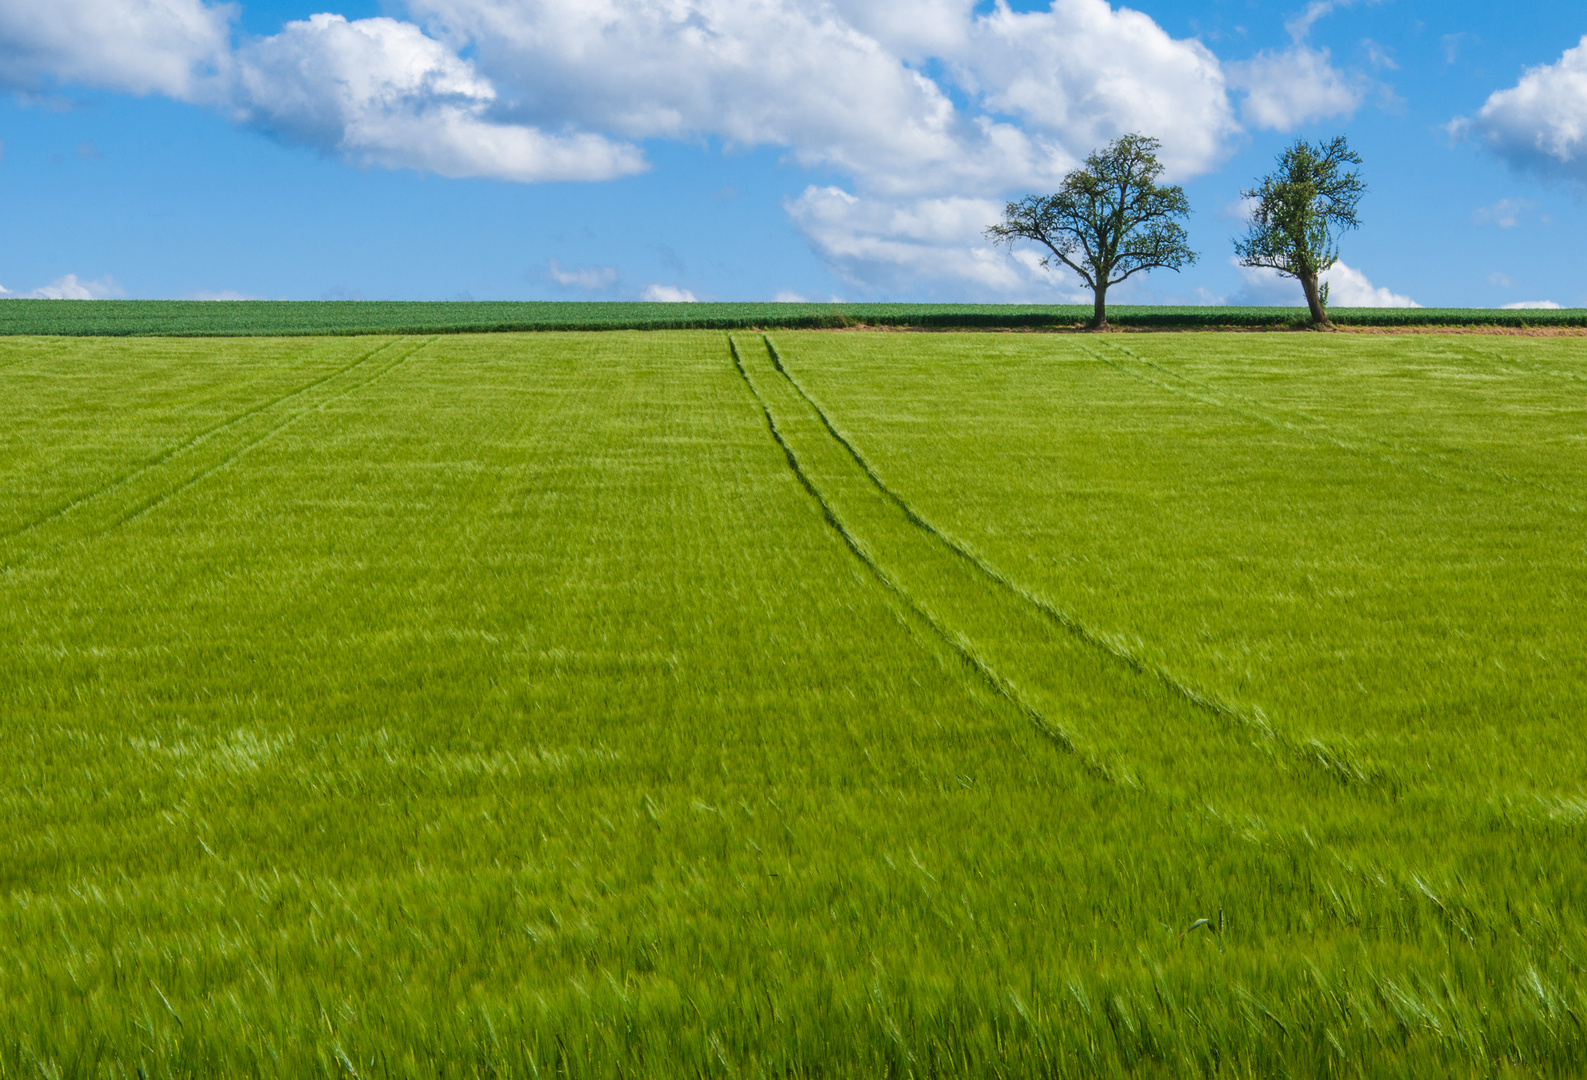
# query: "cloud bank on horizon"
(69, 287)
(928, 115)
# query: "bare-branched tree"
(1109, 220)
(1300, 208)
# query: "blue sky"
(613, 149)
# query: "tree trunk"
(1099, 313)
(1319, 314)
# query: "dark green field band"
(248, 318)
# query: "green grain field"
(307, 318)
(806, 705)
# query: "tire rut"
(199, 477)
(186, 444)
(1055, 733)
(1309, 751)
(168, 490)
(1328, 434)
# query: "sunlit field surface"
(253, 318)
(820, 704)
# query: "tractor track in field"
(1257, 408)
(1319, 431)
(184, 445)
(1000, 686)
(199, 477)
(1206, 398)
(168, 492)
(1310, 751)
(1053, 613)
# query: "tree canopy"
(1109, 220)
(1300, 208)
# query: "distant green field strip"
(962, 646)
(1334, 434)
(172, 472)
(242, 318)
(1304, 749)
(184, 445)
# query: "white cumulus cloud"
(1083, 72)
(1541, 122)
(667, 294)
(1293, 87)
(222, 295)
(1285, 88)
(71, 287)
(1531, 305)
(593, 278)
(928, 244)
(171, 47)
(1347, 287)
(372, 91)
(840, 85)
(1506, 213)
(750, 72)
(378, 91)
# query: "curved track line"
(1319, 430)
(164, 496)
(1311, 750)
(191, 441)
(1251, 414)
(199, 477)
(996, 682)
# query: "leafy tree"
(1300, 209)
(1110, 219)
